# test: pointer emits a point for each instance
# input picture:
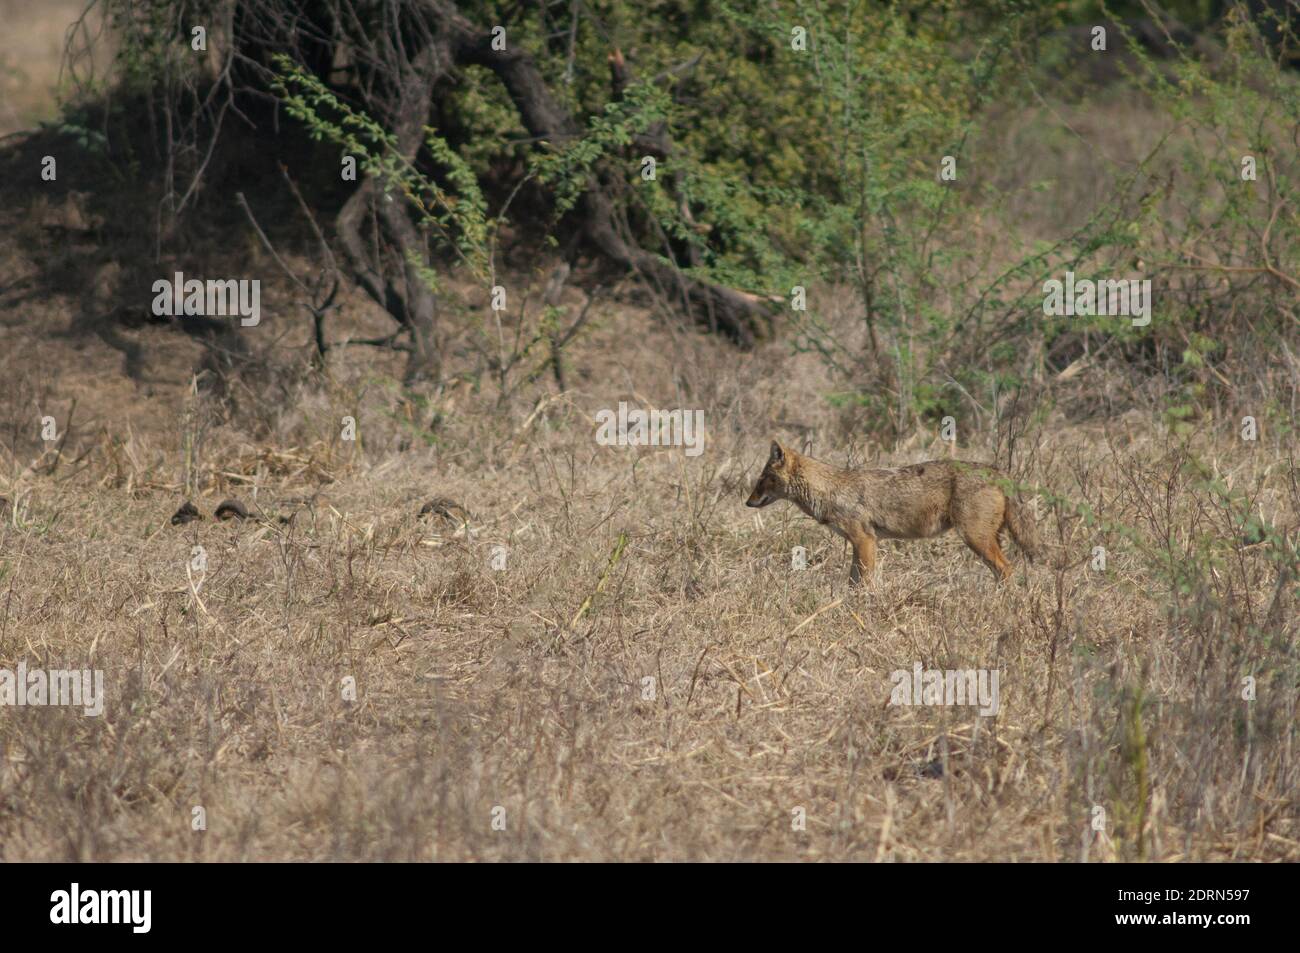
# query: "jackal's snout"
(771, 481)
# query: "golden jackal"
(914, 502)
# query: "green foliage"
(456, 214)
(568, 169)
(88, 140)
(820, 166)
(152, 40)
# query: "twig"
(614, 557)
(825, 608)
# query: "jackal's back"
(926, 499)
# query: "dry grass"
(477, 689)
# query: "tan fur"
(914, 502)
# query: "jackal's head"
(774, 479)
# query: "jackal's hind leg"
(988, 550)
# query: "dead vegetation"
(647, 678)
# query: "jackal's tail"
(1021, 524)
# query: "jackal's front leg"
(864, 556)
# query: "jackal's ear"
(778, 454)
